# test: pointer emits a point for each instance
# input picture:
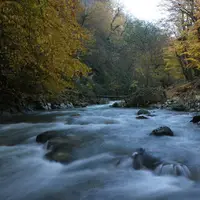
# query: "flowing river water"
(109, 133)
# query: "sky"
(143, 9)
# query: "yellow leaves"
(44, 38)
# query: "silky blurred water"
(108, 133)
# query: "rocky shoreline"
(183, 98)
(47, 106)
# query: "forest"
(89, 48)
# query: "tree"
(38, 57)
(185, 44)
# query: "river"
(109, 132)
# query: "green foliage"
(125, 50)
(41, 42)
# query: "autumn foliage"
(41, 42)
(183, 53)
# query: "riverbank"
(184, 97)
(42, 104)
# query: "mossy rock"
(44, 137)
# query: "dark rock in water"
(116, 105)
(162, 131)
(142, 117)
(61, 148)
(143, 112)
(44, 137)
(144, 160)
(120, 104)
(195, 119)
(179, 107)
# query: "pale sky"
(143, 9)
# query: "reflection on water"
(108, 134)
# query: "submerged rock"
(143, 160)
(162, 131)
(195, 119)
(115, 105)
(60, 146)
(44, 137)
(143, 112)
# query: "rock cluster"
(175, 104)
(191, 104)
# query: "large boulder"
(144, 97)
(195, 119)
(143, 112)
(162, 131)
(61, 148)
(44, 137)
(59, 145)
